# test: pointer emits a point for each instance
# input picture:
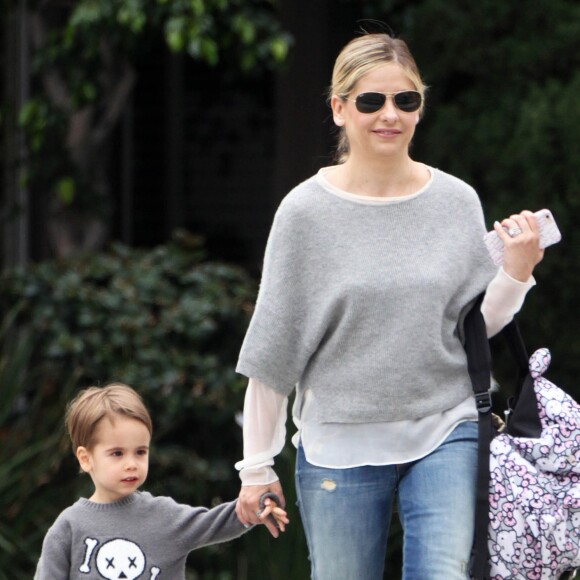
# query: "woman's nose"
(389, 110)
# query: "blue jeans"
(346, 513)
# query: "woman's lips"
(387, 132)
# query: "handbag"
(527, 523)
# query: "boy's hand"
(269, 508)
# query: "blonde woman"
(370, 266)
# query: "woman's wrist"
(261, 475)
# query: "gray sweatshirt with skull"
(140, 536)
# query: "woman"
(369, 269)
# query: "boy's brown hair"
(91, 405)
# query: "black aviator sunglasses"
(407, 101)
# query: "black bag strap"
(516, 344)
(479, 366)
(524, 420)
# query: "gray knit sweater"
(140, 536)
(361, 303)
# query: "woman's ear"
(337, 105)
(84, 458)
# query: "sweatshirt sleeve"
(54, 559)
(197, 527)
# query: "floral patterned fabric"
(534, 499)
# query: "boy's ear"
(83, 457)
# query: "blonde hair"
(91, 405)
(362, 55)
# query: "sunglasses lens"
(370, 102)
(408, 101)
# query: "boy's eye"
(142, 452)
(117, 453)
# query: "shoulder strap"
(524, 419)
(479, 366)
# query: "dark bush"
(31, 453)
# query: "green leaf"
(209, 51)
(174, 34)
(28, 112)
(65, 190)
(88, 91)
(197, 7)
(247, 60)
(245, 28)
(279, 48)
(87, 12)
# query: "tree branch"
(52, 81)
(117, 95)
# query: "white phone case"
(549, 234)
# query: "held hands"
(249, 510)
(521, 250)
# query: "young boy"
(120, 532)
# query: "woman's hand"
(521, 246)
(248, 507)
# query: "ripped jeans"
(346, 513)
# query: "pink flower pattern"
(534, 495)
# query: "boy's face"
(119, 460)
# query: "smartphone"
(549, 235)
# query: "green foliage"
(209, 30)
(163, 321)
(31, 451)
(83, 61)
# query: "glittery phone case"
(549, 234)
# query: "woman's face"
(386, 133)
